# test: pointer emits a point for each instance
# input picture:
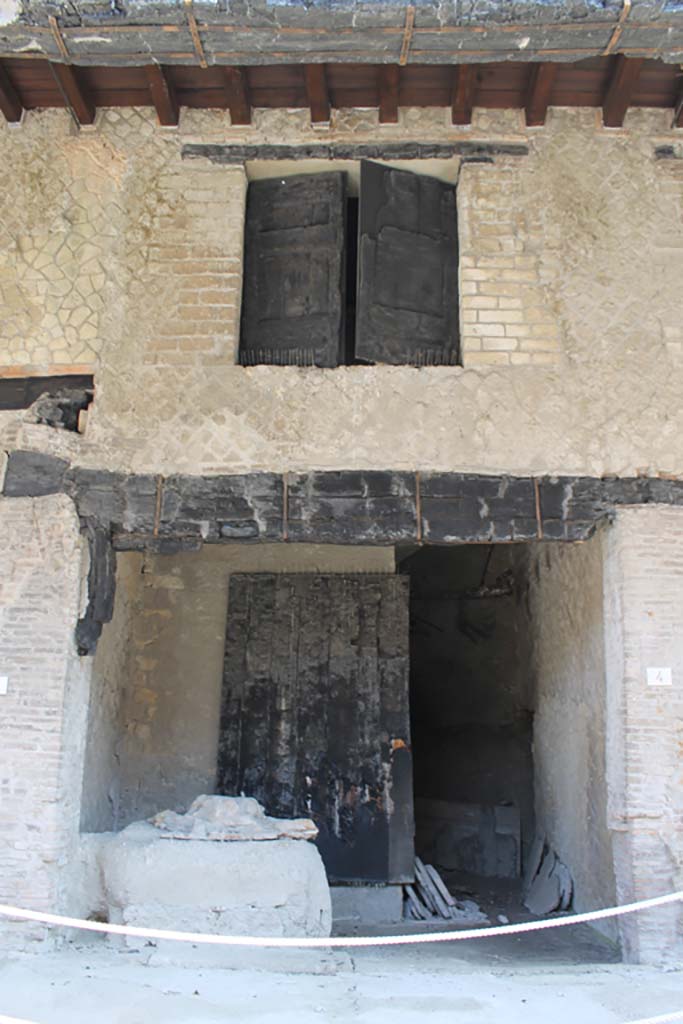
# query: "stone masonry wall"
(120, 255)
(644, 601)
(42, 717)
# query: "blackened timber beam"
(346, 506)
(678, 106)
(317, 92)
(10, 103)
(237, 154)
(237, 92)
(463, 93)
(101, 588)
(620, 89)
(75, 96)
(388, 93)
(163, 96)
(539, 91)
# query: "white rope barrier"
(665, 1018)
(267, 942)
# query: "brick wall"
(644, 594)
(42, 717)
(570, 767)
(508, 317)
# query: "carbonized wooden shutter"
(315, 716)
(408, 269)
(293, 296)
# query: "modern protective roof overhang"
(323, 54)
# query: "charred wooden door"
(407, 269)
(315, 717)
(294, 271)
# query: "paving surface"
(506, 981)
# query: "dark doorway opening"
(471, 699)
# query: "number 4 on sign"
(659, 677)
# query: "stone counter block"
(276, 888)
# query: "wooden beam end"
(237, 93)
(10, 102)
(539, 91)
(463, 94)
(75, 95)
(388, 88)
(317, 92)
(163, 96)
(620, 89)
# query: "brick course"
(644, 590)
(41, 718)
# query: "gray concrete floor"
(499, 981)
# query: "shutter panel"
(408, 269)
(293, 298)
(315, 719)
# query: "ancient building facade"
(560, 430)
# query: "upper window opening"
(331, 280)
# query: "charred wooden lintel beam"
(389, 75)
(237, 93)
(539, 90)
(237, 153)
(620, 89)
(464, 93)
(75, 96)
(163, 95)
(317, 92)
(354, 506)
(125, 512)
(10, 103)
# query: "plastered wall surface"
(101, 796)
(169, 688)
(570, 758)
(644, 601)
(42, 716)
(119, 254)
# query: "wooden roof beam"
(237, 93)
(620, 89)
(75, 96)
(10, 103)
(317, 93)
(388, 93)
(463, 93)
(163, 95)
(539, 90)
